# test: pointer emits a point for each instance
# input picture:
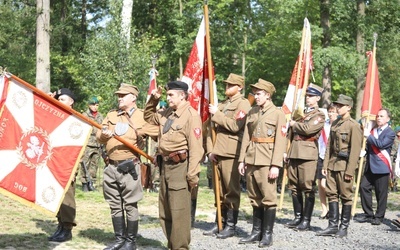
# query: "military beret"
(177, 85)
(65, 91)
(264, 85)
(397, 129)
(93, 100)
(314, 89)
(163, 104)
(235, 80)
(127, 89)
(344, 100)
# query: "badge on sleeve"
(317, 121)
(197, 132)
(283, 130)
(240, 115)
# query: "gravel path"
(360, 236)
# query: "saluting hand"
(242, 168)
(212, 109)
(157, 92)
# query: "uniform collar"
(180, 109)
(122, 112)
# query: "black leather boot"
(213, 231)
(193, 211)
(345, 217)
(255, 234)
(298, 211)
(229, 229)
(90, 186)
(57, 232)
(268, 227)
(85, 187)
(308, 209)
(332, 228)
(131, 233)
(65, 234)
(119, 231)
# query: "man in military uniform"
(341, 157)
(303, 157)
(180, 151)
(91, 156)
(67, 212)
(261, 157)
(229, 118)
(122, 186)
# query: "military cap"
(264, 85)
(397, 129)
(93, 100)
(177, 85)
(235, 80)
(127, 89)
(314, 89)
(65, 91)
(344, 100)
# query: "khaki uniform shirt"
(229, 123)
(270, 123)
(345, 136)
(98, 119)
(304, 136)
(185, 133)
(137, 129)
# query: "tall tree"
(43, 45)
(326, 41)
(360, 77)
(126, 21)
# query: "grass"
(25, 228)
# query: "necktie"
(379, 131)
(168, 123)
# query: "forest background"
(91, 53)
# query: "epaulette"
(192, 111)
(113, 110)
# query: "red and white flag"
(152, 83)
(372, 102)
(196, 75)
(40, 147)
(294, 100)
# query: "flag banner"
(372, 102)
(40, 147)
(152, 83)
(295, 95)
(196, 75)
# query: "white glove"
(367, 132)
(363, 153)
(397, 169)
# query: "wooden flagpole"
(212, 101)
(364, 142)
(299, 66)
(77, 114)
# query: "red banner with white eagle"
(197, 77)
(372, 102)
(152, 82)
(295, 95)
(41, 144)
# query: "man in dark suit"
(377, 169)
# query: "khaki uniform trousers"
(230, 182)
(301, 175)
(122, 192)
(337, 187)
(67, 213)
(174, 204)
(260, 189)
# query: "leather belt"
(262, 140)
(115, 163)
(303, 138)
(178, 156)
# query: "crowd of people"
(253, 142)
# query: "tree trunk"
(43, 45)
(83, 23)
(126, 20)
(360, 78)
(326, 41)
